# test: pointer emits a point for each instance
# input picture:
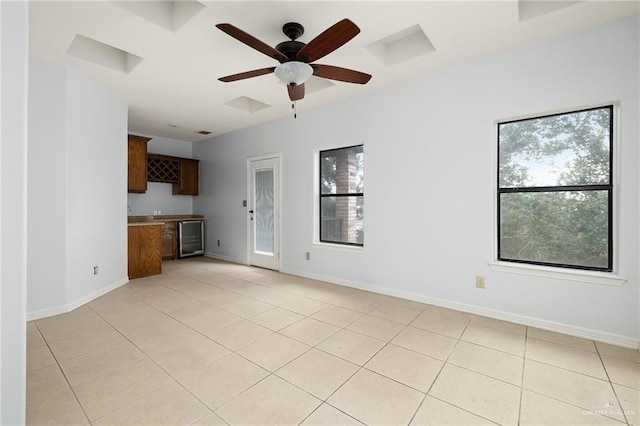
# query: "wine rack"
(162, 168)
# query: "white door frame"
(277, 206)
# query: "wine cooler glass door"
(191, 238)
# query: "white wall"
(97, 172)
(430, 182)
(159, 195)
(14, 36)
(77, 190)
(47, 203)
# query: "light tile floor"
(209, 342)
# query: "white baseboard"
(586, 333)
(225, 258)
(63, 309)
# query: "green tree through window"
(555, 190)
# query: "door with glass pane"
(264, 215)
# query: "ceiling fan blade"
(296, 91)
(328, 41)
(253, 42)
(340, 74)
(247, 74)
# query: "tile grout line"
(613, 389)
(439, 372)
(560, 400)
(66, 379)
(147, 356)
(256, 299)
(274, 372)
(444, 364)
(524, 358)
(360, 367)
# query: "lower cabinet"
(144, 250)
(169, 241)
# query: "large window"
(555, 190)
(342, 196)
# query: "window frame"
(345, 194)
(609, 188)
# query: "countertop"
(145, 223)
(160, 219)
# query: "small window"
(342, 196)
(555, 190)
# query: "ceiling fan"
(295, 57)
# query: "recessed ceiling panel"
(315, 84)
(246, 104)
(102, 54)
(401, 46)
(529, 9)
(170, 15)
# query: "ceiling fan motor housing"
(293, 30)
(290, 48)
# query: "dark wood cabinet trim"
(169, 240)
(137, 164)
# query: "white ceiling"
(175, 53)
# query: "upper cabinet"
(187, 177)
(137, 177)
(181, 172)
(144, 167)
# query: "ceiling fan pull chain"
(294, 107)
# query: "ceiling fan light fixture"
(293, 72)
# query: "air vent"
(204, 132)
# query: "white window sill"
(339, 247)
(591, 277)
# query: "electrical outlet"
(479, 281)
(95, 270)
(308, 256)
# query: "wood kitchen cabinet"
(187, 177)
(169, 240)
(144, 249)
(181, 172)
(137, 176)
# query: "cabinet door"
(188, 178)
(169, 241)
(137, 177)
(145, 257)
